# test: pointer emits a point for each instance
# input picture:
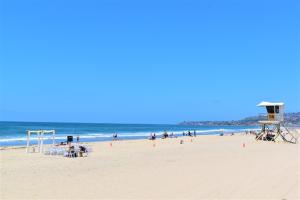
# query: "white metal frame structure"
(40, 134)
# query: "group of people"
(270, 136)
(76, 151)
(165, 135)
(189, 133)
(250, 132)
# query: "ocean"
(14, 133)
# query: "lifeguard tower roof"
(265, 103)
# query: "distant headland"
(290, 119)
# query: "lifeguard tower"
(272, 124)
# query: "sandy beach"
(208, 167)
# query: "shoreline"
(16, 135)
(123, 139)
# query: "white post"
(39, 140)
(42, 142)
(28, 137)
(53, 137)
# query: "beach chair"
(47, 152)
(60, 151)
(71, 154)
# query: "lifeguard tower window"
(276, 109)
(273, 109)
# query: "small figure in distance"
(195, 133)
(115, 136)
(165, 135)
(152, 136)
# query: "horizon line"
(177, 123)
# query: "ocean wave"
(129, 135)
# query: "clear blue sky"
(147, 61)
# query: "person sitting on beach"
(270, 136)
(115, 136)
(82, 148)
(60, 144)
(152, 136)
(165, 135)
(71, 151)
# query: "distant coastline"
(291, 119)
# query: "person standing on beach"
(77, 138)
(195, 133)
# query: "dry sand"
(210, 167)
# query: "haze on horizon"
(147, 61)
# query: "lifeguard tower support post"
(273, 123)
